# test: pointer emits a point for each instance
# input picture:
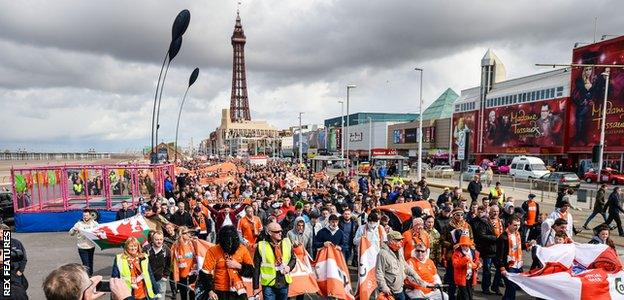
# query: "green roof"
(442, 107)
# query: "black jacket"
(161, 262)
(613, 204)
(123, 214)
(474, 188)
(351, 234)
(182, 219)
(485, 240)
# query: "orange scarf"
(514, 257)
(498, 226)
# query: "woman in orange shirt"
(225, 265)
(427, 271)
(183, 256)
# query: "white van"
(525, 167)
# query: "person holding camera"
(71, 281)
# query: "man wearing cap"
(497, 194)
(391, 269)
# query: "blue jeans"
(510, 287)
(593, 214)
(271, 293)
(487, 282)
(86, 256)
(399, 296)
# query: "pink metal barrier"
(76, 187)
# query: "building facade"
(554, 115)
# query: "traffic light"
(596, 154)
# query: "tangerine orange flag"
(404, 210)
(332, 274)
(367, 282)
(303, 277)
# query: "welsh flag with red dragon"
(115, 234)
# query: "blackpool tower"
(239, 104)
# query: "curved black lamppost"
(180, 24)
(191, 81)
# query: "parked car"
(425, 166)
(6, 207)
(527, 167)
(441, 171)
(608, 175)
(560, 179)
(503, 166)
(471, 171)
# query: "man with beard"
(273, 261)
(349, 227)
(224, 266)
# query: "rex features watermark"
(6, 263)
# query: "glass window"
(515, 98)
(552, 92)
(559, 89)
(546, 94)
(542, 94)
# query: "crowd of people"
(262, 219)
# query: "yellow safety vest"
(495, 195)
(267, 267)
(124, 271)
(78, 187)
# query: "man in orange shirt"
(427, 271)
(224, 266)
(249, 227)
(415, 236)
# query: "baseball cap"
(394, 235)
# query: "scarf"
(236, 281)
(469, 268)
(498, 226)
(514, 257)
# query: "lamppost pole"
(370, 140)
(606, 74)
(342, 133)
(191, 81)
(300, 141)
(420, 123)
(180, 24)
(349, 87)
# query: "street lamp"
(606, 74)
(349, 87)
(342, 133)
(300, 141)
(370, 140)
(180, 24)
(191, 81)
(420, 123)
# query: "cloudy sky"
(76, 75)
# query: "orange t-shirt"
(531, 215)
(250, 229)
(135, 271)
(214, 263)
(183, 259)
(426, 270)
(410, 239)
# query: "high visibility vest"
(124, 271)
(78, 187)
(267, 267)
(500, 197)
